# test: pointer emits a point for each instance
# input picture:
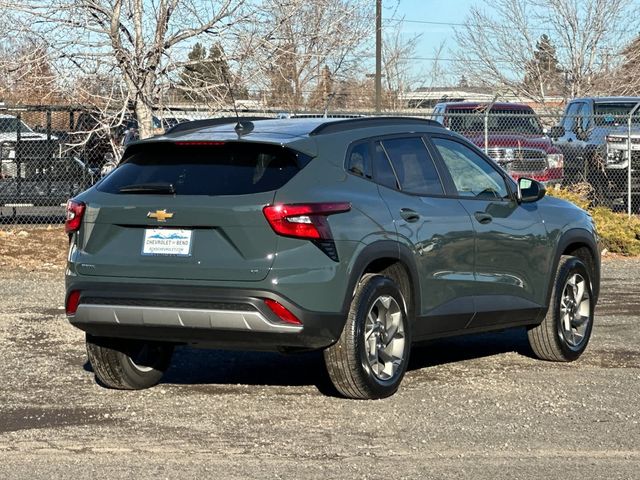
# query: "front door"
(511, 256)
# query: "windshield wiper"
(161, 188)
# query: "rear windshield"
(615, 113)
(522, 121)
(218, 169)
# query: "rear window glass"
(225, 169)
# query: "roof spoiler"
(211, 122)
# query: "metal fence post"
(486, 129)
(633, 111)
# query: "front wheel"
(564, 333)
(370, 358)
(128, 364)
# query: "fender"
(576, 236)
(378, 250)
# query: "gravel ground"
(472, 407)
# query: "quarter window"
(359, 162)
(472, 175)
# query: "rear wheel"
(564, 333)
(370, 358)
(128, 364)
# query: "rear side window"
(413, 166)
(359, 162)
(382, 171)
(212, 169)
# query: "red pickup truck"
(515, 138)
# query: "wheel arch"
(580, 243)
(393, 260)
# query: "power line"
(475, 25)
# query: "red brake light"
(303, 220)
(198, 144)
(75, 212)
(72, 302)
(282, 312)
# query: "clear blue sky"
(442, 11)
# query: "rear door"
(436, 229)
(187, 211)
(512, 257)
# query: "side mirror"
(557, 131)
(529, 190)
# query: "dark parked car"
(33, 172)
(359, 237)
(515, 137)
(582, 137)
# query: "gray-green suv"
(356, 236)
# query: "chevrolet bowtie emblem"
(160, 215)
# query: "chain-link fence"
(50, 154)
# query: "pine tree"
(284, 93)
(463, 82)
(543, 73)
(629, 73)
(324, 88)
(208, 76)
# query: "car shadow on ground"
(192, 366)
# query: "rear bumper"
(212, 317)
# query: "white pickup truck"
(617, 164)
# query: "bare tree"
(138, 44)
(496, 45)
(26, 73)
(399, 74)
(310, 40)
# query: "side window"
(382, 171)
(359, 161)
(472, 175)
(570, 116)
(413, 166)
(584, 117)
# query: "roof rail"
(353, 123)
(211, 122)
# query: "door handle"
(483, 217)
(409, 215)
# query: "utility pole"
(378, 55)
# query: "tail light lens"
(75, 212)
(73, 300)
(282, 312)
(308, 221)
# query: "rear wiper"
(161, 188)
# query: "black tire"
(128, 364)
(346, 360)
(549, 340)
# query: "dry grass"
(33, 249)
(619, 233)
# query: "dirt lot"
(475, 407)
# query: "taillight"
(282, 312)
(197, 143)
(72, 302)
(307, 221)
(75, 212)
